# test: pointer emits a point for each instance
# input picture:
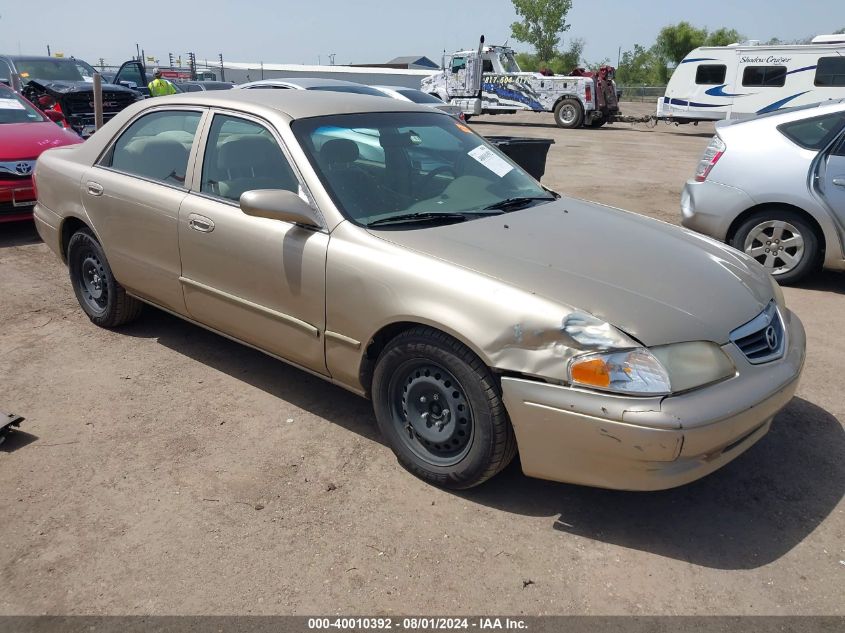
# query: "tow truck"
(489, 81)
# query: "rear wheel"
(439, 408)
(569, 114)
(783, 241)
(99, 294)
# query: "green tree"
(561, 63)
(723, 37)
(638, 66)
(840, 31)
(674, 42)
(542, 23)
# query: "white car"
(774, 187)
(422, 98)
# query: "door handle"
(200, 223)
(839, 182)
(94, 188)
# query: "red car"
(24, 133)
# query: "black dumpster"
(528, 153)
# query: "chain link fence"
(641, 93)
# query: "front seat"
(358, 191)
(251, 162)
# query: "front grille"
(17, 170)
(82, 103)
(762, 339)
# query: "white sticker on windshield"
(11, 104)
(87, 79)
(491, 161)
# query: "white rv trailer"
(743, 80)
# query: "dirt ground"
(164, 470)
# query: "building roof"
(415, 60)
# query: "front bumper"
(17, 197)
(710, 207)
(583, 437)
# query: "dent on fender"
(543, 346)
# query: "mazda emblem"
(771, 338)
(23, 169)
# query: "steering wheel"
(427, 181)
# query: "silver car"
(312, 83)
(422, 98)
(774, 187)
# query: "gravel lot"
(165, 470)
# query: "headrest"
(339, 150)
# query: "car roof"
(788, 114)
(39, 58)
(397, 88)
(297, 104)
(304, 82)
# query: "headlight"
(652, 372)
(778, 292)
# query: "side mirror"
(278, 204)
(54, 116)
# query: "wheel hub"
(776, 244)
(432, 413)
(93, 282)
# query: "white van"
(743, 80)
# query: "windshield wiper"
(512, 204)
(421, 216)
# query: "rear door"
(133, 195)
(832, 179)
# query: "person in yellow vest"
(160, 87)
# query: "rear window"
(710, 74)
(764, 76)
(815, 133)
(418, 96)
(830, 72)
(358, 90)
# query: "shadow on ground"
(18, 234)
(16, 440)
(826, 281)
(744, 516)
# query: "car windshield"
(54, 70)
(14, 109)
(358, 90)
(418, 96)
(509, 63)
(385, 166)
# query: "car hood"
(657, 282)
(25, 141)
(67, 87)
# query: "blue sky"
(361, 31)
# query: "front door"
(261, 281)
(133, 195)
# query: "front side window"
(240, 156)
(815, 133)
(381, 167)
(156, 147)
(458, 63)
(764, 76)
(132, 73)
(830, 72)
(710, 74)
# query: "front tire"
(99, 294)
(569, 114)
(439, 408)
(782, 241)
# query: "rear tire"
(99, 294)
(794, 249)
(439, 408)
(569, 114)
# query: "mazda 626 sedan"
(388, 249)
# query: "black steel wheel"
(100, 296)
(439, 408)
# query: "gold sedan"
(390, 250)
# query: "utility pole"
(137, 52)
(222, 69)
(102, 64)
(331, 58)
(619, 57)
(49, 54)
(170, 57)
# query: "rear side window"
(764, 76)
(710, 74)
(815, 133)
(156, 147)
(830, 71)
